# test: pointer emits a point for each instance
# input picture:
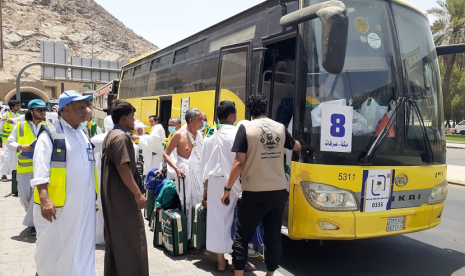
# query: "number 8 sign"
(336, 128)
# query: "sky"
(166, 22)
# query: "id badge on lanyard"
(90, 153)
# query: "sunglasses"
(40, 110)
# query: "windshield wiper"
(429, 149)
(383, 133)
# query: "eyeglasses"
(40, 110)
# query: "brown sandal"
(249, 267)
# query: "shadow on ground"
(207, 261)
(396, 255)
(25, 237)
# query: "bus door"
(149, 107)
(278, 76)
(277, 83)
(165, 111)
(233, 81)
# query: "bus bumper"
(304, 221)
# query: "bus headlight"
(439, 193)
(328, 198)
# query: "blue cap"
(71, 96)
(36, 104)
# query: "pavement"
(456, 173)
(17, 249)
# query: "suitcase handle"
(184, 191)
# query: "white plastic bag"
(316, 112)
(373, 113)
(359, 124)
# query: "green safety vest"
(25, 136)
(7, 128)
(57, 185)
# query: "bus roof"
(228, 18)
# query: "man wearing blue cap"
(21, 137)
(65, 193)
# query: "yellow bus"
(357, 82)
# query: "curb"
(456, 182)
(455, 147)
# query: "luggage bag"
(199, 226)
(148, 209)
(157, 228)
(174, 224)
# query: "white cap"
(139, 124)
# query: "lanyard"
(120, 128)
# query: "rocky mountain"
(77, 23)
(83, 26)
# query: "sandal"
(249, 267)
(225, 267)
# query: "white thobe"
(25, 191)
(108, 123)
(8, 158)
(193, 181)
(51, 117)
(150, 144)
(97, 140)
(66, 246)
(216, 164)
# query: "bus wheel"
(462, 132)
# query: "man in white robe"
(97, 140)
(187, 144)
(66, 235)
(8, 158)
(152, 145)
(216, 164)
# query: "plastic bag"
(316, 112)
(359, 124)
(373, 113)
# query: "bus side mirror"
(335, 25)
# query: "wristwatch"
(226, 189)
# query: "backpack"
(167, 198)
(154, 179)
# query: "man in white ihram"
(65, 193)
(152, 145)
(188, 143)
(215, 167)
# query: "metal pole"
(67, 66)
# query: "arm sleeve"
(41, 160)
(11, 144)
(21, 118)
(99, 130)
(240, 143)
(119, 146)
(290, 141)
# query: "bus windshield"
(369, 84)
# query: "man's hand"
(10, 122)
(26, 148)
(225, 196)
(180, 173)
(47, 209)
(141, 201)
(204, 203)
